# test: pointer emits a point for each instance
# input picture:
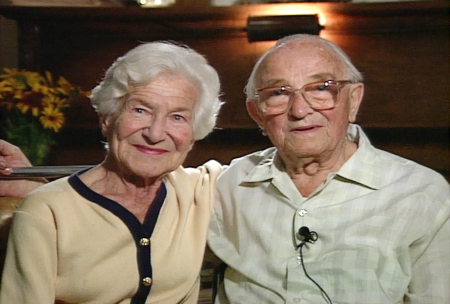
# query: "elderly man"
(376, 226)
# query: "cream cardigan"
(73, 245)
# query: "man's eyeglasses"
(320, 95)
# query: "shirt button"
(144, 242)
(147, 281)
(302, 212)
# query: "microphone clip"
(307, 236)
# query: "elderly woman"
(133, 228)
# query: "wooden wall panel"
(401, 48)
(405, 78)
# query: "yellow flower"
(18, 94)
(31, 109)
(23, 107)
(7, 85)
(52, 118)
(55, 101)
(35, 111)
(64, 84)
(8, 104)
(49, 78)
(10, 73)
(37, 99)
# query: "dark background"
(401, 48)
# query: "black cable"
(307, 275)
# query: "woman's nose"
(155, 131)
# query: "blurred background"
(402, 49)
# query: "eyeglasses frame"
(339, 83)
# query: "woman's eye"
(139, 110)
(178, 117)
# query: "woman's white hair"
(350, 70)
(147, 62)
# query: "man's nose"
(300, 107)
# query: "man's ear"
(355, 97)
(254, 113)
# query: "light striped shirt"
(382, 223)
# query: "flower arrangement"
(32, 110)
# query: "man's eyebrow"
(274, 82)
(322, 76)
(310, 78)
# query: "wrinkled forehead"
(305, 58)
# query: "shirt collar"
(267, 168)
(363, 167)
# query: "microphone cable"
(311, 236)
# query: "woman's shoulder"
(51, 188)
(54, 193)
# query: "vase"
(28, 134)
(37, 153)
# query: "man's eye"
(139, 110)
(278, 92)
(321, 88)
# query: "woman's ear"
(104, 123)
(355, 97)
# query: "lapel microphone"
(307, 236)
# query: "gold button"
(147, 281)
(144, 242)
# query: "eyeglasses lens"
(321, 96)
(275, 100)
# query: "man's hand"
(10, 157)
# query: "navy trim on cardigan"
(137, 229)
